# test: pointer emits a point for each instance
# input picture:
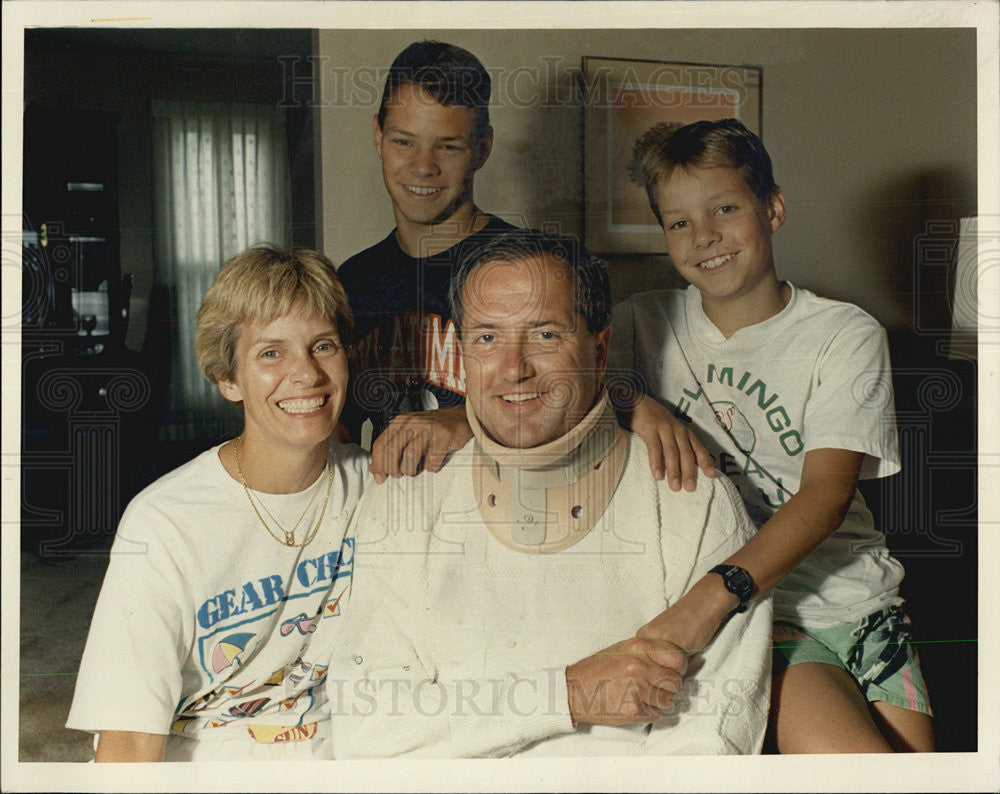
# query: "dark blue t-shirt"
(407, 356)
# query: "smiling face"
(291, 376)
(429, 154)
(532, 367)
(719, 237)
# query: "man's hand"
(632, 681)
(417, 441)
(673, 446)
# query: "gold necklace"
(289, 539)
(312, 498)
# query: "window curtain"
(221, 183)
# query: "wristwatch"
(738, 582)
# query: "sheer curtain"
(221, 183)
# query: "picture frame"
(622, 98)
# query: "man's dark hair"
(703, 144)
(449, 74)
(592, 289)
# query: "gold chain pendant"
(289, 535)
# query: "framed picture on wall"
(622, 99)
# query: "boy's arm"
(674, 451)
(423, 440)
(673, 447)
(730, 679)
(829, 480)
(420, 440)
(129, 746)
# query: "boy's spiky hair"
(449, 74)
(703, 144)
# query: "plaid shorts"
(877, 651)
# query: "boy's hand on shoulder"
(418, 441)
(674, 449)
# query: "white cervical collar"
(544, 499)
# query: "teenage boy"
(432, 134)
(793, 395)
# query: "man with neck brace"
(543, 541)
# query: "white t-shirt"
(456, 645)
(816, 375)
(207, 628)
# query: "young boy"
(793, 396)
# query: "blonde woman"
(215, 622)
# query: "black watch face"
(740, 580)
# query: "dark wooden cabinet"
(72, 291)
(85, 397)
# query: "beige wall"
(872, 133)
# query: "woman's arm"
(829, 480)
(129, 746)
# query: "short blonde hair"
(262, 284)
(668, 145)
